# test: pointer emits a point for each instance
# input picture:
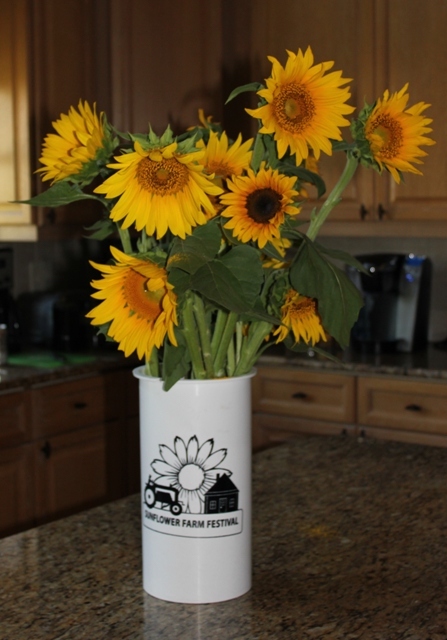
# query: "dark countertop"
(350, 542)
(428, 363)
(25, 370)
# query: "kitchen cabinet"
(403, 409)
(288, 400)
(64, 446)
(15, 167)
(380, 45)
(52, 55)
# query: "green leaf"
(176, 361)
(59, 194)
(304, 175)
(197, 249)
(101, 229)
(343, 256)
(245, 263)
(258, 153)
(180, 280)
(217, 283)
(253, 86)
(339, 301)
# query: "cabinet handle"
(300, 395)
(413, 407)
(80, 405)
(381, 211)
(363, 212)
(46, 449)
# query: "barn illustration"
(223, 496)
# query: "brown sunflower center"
(302, 307)
(146, 304)
(263, 204)
(162, 178)
(390, 134)
(294, 108)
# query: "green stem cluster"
(225, 351)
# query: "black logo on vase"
(191, 493)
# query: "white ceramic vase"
(195, 443)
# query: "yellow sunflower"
(299, 314)
(80, 135)
(396, 133)
(160, 189)
(257, 205)
(138, 301)
(224, 160)
(305, 106)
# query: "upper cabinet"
(52, 55)
(15, 173)
(381, 45)
(158, 63)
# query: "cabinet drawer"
(402, 404)
(68, 405)
(306, 394)
(14, 424)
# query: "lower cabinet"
(289, 400)
(64, 447)
(403, 409)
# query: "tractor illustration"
(166, 496)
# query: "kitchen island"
(349, 542)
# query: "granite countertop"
(430, 362)
(36, 367)
(349, 537)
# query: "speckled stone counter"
(349, 542)
(429, 363)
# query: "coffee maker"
(396, 293)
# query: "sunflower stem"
(153, 363)
(260, 330)
(125, 239)
(219, 327)
(333, 198)
(204, 334)
(190, 333)
(222, 349)
(231, 362)
(239, 340)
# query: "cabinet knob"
(381, 211)
(300, 395)
(46, 449)
(80, 405)
(413, 407)
(363, 211)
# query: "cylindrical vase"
(195, 445)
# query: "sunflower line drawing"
(191, 469)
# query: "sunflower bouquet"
(214, 265)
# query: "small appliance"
(396, 293)
(9, 318)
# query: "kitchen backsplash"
(46, 266)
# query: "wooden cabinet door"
(15, 425)
(341, 31)
(69, 62)
(412, 48)
(16, 493)
(71, 472)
